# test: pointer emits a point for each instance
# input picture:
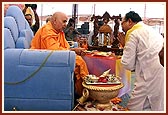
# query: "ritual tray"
(101, 83)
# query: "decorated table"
(117, 51)
(98, 62)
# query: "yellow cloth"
(136, 26)
(48, 38)
(126, 75)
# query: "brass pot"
(102, 94)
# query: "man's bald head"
(59, 15)
(59, 20)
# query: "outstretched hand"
(79, 51)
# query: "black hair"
(33, 6)
(133, 16)
(48, 19)
(71, 20)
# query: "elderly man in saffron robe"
(51, 37)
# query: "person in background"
(91, 33)
(52, 37)
(48, 18)
(162, 34)
(161, 56)
(141, 47)
(85, 44)
(29, 17)
(70, 31)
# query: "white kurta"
(141, 54)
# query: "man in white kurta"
(141, 48)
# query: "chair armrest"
(17, 59)
(52, 84)
(73, 44)
(28, 34)
(55, 76)
(22, 43)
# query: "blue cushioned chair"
(19, 27)
(34, 80)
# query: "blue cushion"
(28, 34)
(10, 23)
(61, 58)
(20, 29)
(17, 13)
(8, 41)
(22, 43)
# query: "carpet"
(91, 106)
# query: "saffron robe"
(48, 38)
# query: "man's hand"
(121, 38)
(79, 51)
(71, 28)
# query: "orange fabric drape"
(48, 38)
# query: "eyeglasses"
(123, 22)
